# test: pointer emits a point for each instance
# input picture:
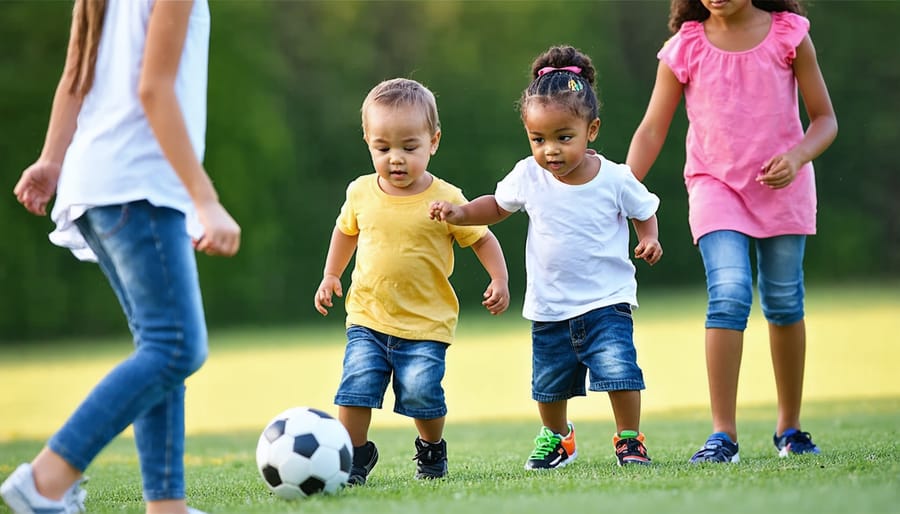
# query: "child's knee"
(782, 304)
(730, 298)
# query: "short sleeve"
(346, 220)
(675, 52)
(789, 30)
(508, 193)
(637, 201)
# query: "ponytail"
(88, 17)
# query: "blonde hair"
(401, 93)
(87, 22)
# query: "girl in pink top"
(749, 176)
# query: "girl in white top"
(580, 280)
(123, 156)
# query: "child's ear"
(435, 139)
(593, 129)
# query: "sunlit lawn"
(252, 374)
(852, 408)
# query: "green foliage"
(284, 138)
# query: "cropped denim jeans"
(147, 256)
(729, 278)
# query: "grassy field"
(852, 408)
(858, 473)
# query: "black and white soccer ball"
(302, 452)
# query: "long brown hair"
(87, 23)
(681, 11)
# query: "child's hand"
(648, 249)
(496, 297)
(779, 171)
(331, 284)
(444, 211)
(221, 234)
(37, 186)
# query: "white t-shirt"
(114, 157)
(577, 254)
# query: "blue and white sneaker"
(794, 441)
(718, 448)
(20, 493)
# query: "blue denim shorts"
(729, 278)
(370, 360)
(601, 341)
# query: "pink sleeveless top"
(742, 109)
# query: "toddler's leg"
(356, 420)
(554, 415)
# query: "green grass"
(858, 473)
(852, 407)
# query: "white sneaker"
(20, 493)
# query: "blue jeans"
(147, 256)
(729, 281)
(417, 366)
(601, 340)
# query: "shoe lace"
(428, 453)
(75, 496)
(630, 446)
(544, 444)
(800, 441)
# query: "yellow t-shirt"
(401, 280)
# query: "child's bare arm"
(339, 253)
(480, 211)
(648, 247)
(489, 252)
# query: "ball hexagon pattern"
(304, 451)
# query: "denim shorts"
(729, 280)
(600, 340)
(371, 358)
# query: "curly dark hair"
(681, 11)
(572, 90)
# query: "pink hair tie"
(547, 69)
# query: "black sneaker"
(364, 459)
(431, 459)
(630, 450)
(551, 450)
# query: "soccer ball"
(304, 451)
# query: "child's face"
(724, 7)
(401, 145)
(559, 139)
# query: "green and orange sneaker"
(630, 448)
(552, 450)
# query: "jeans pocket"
(108, 220)
(622, 309)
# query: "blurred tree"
(284, 139)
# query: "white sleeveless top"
(114, 157)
